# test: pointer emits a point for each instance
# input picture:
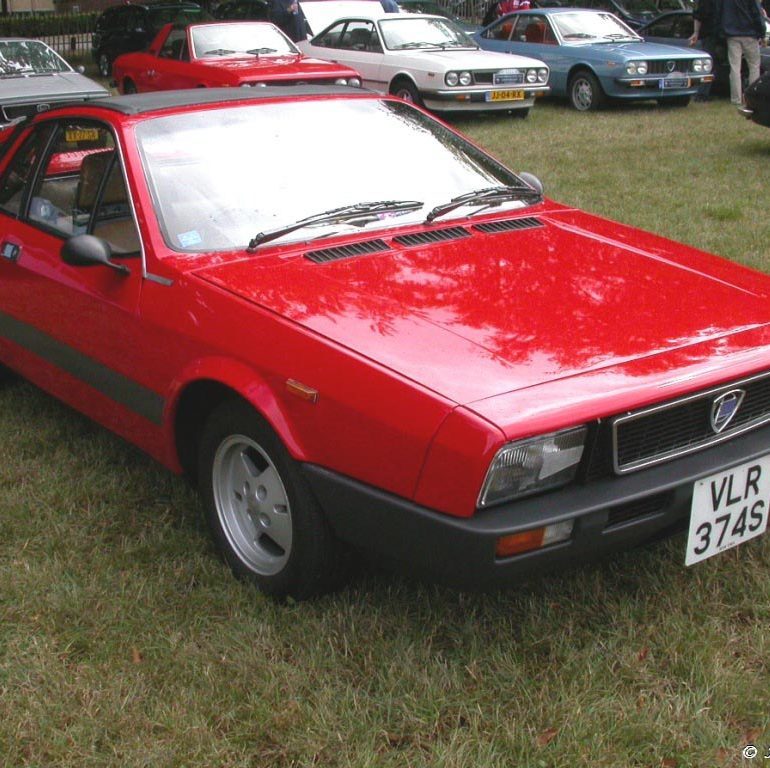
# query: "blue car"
(593, 56)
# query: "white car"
(425, 59)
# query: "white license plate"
(727, 509)
(505, 96)
(674, 82)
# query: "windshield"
(25, 57)
(420, 33)
(218, 182)
(582, 26)
(237, 39)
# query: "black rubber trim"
(114, 385)
(460, 551)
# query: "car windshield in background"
(401, 34)
(582, 26)
(214, 192)
(639, 7)
(237, 39)
(177, 15)
(29, 57)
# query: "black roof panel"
(143, 103)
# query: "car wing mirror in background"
(90, 251)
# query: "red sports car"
(411, 351)
(216, 54)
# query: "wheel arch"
(579, 67)
(206, 386)
(402, 76)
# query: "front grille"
(632, 510)
(682, 426)
(664, 66)
(503, 77)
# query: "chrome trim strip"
(676, 453)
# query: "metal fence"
(68, 34)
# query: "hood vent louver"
(507, 225)
(347, 251)
(434, 236)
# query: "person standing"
(704, 36)
(285, 14)
(743, 26)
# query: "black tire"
(129, 86)
(584, 91)
(264, 520)
(405, 89)
(104, 64)
(675, 101)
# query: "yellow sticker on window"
(76, 135)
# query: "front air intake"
(347, 251)
(493, 227)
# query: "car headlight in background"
(701, 65)
(533, 465)
(458, 78)
(531, 75)
(352, 81)
(542, 75)
(636, 67)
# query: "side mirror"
(533, 181)
(90, 251)
(80, 69)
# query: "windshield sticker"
(189, 239)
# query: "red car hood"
(289, 65)
(488, 314)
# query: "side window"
(358, 36)
(501, 31)
(683, 27)
(533, 29)
(81, 189)
(19, 174)
(330, 38)
(174, 44)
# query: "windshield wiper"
(218, 52)
(360, 214)
(257, 51)
(488, 197)
(620, 36)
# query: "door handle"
(10, 251)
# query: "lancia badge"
(724, 408)
(670, 66)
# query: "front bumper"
(475, 99)
(650, 86)
(610, 515)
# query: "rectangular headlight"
(533, 465)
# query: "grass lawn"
(125, 642)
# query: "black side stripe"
(114, 385)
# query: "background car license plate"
(674, 82)
(727, 509)
(505, 95)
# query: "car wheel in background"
(584, 91)
(104, 64)
(259, 509)
(406, 90)
(129, 86)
